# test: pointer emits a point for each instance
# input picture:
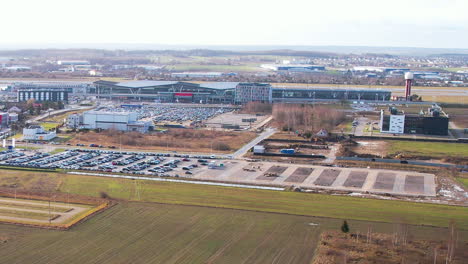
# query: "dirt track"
(64, 216)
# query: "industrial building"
(40, 95)
(229, 92)
(35, 132)
(432, 122)
(294, 67)
(122, 121)
(199, 74)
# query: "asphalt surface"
(265, 134)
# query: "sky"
(392, 23)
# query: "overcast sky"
(406, 23)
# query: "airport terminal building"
(229, 92)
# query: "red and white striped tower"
(409, 81)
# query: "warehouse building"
(122, 121)
(41, 95)
(432, 122)
(294, 67)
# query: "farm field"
(236, 198)
(268, 201)
(135, 232)
(428, 149)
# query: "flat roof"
(219, 85)
(142, 84)
(340, 89)
(107, 113)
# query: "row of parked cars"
(182, 114)
(107, 161)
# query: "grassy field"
(157, 233)
(49, 126)
(269, 201)
(236, 198)
(429, 149)
(463, 181)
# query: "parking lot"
(333, 178)
(218, 168)
(140, 163)
(236, 119)
(181, 114)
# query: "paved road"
(265, 134)
(359, 129)
(72, 108)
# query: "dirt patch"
(356, 179)
(272, 173)
(196, 140)
(299, 175)
(327, 177)
(373, 148)
(414, 184)
(385, 181)
(378, 248)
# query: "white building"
(35, 132)
(74, 120)
(122, 121)
(394, 123)
(259, 149)
(13, 117)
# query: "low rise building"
(122, 121)
(4, 120)
(74, 121)
(35, 132)
(432, 122)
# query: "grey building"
(253, 92)
(41, 95)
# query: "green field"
(463, 181)
(429, 149)
(27, 215)
(49, 126)
(236, 198)
(157, 233)
(269, 201)
(187, 223)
